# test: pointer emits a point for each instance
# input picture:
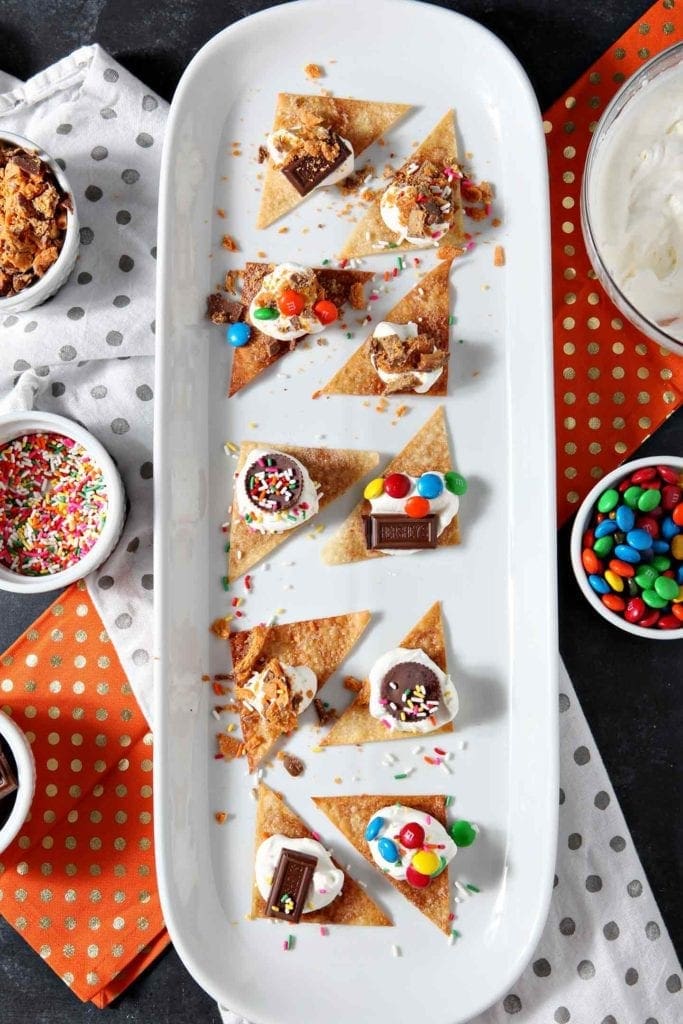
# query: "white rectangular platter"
(497, 587)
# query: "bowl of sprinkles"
(627, 547)
(61, 502)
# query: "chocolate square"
(396, 532)
(306, 172)
(289, 890)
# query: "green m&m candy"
(631, 496)
(603, 546)
(265, 313)
(462, 832)
(649, 500)
(455, 482)
(666, 587)
(608, 500)
(646, 576)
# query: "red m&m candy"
(412, 836)
(416, 879)
(291, 303)
(397, 485)
(326, 311)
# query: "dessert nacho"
(296, 879)
(421, 206)
(313, 143)
(406, 839)
(407, 352)
(411, 507)
(408, 691)
(279, 669)
(280, 487)
(278, 307)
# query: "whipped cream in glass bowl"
(632, 199)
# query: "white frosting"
(302, 680)
(384, 329)
(395, 817)
(445, 508)
(281, 142)
(636, 201)
(327, 882)
(391, 215)
(275, 522)
(279, 279)
(446, 710)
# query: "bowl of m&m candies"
(62, 503)
(627, 547)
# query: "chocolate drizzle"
(410, 692)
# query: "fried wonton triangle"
(427, 450)
(362, 122)
(320, 644)
(260, 352)
(370, 236)
(334, 469)
(352, 905)
(356, 724)
(425, 305)
(351, 815)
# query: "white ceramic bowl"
(16, 424)
(26, 778)
(60, 270)
(667, 60)
(583, 517)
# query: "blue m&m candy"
(429, 485)
(388, 850)
(605, 528)
(599, 585)
(627, 554)
(625, 517)
(373, 828)
(639, 539)
(238, 334)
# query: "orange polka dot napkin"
(613, 387)
(79, 882)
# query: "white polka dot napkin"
(605, 956)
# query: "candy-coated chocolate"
(603, 546)
(660, 547)
(677, 611)
(667, 474)
(443, 864)
(666, 588)
(677, 514)
(646, 576)
(425, 861)
(388, 849)
(648, 524)
(632, 588)
(374, 489)
(635, 609)
(590, 561)
(238, 334)
(374, 827)
(416, 507)
(608, 500)
(397, 485)
(412, 835)
(622, 568)
(429, 485)
(416, 879)
(627, 554)
(462, 833)
(291, 303)
(613, 602)
(326, 311)
(640, 540)
(455, 482)
(669, 621)
(641, 476)
(588, 539)
(650, 619)
(661, 563)
(649, 500)
(605, 528)
(631, 496)
(265, 313)
(598, 584)
(653, 600)
(671, 495)
(677, 546)
(615, 582)
(669, 528)
(625, 518)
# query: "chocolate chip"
(293, 765)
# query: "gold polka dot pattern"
(601, 362)
(80, 722)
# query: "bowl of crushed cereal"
(39, 235)
(62, 503)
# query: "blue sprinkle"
(599, 585)
(639, 539)
(627, 554)
(626, 518)
(606, 527)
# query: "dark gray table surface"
(628, 687)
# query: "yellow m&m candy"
(426, 862)
(374, 489)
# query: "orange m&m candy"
(291, 303)
(416, 507)
(326, 311)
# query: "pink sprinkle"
(316, 836)
(323, 930)
(323, 892)
(428, 819)
(488, 209)
(470, 246)
(285, 945)
(451, 917)
(384, 721)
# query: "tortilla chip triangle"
(319, 644)
(261, 351)
(351, 815)
(362, 122)
(335, 470)
(356, 724)
(371, 236)
(427, 450)
(352, 905)
(425, 305)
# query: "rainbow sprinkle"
(53, 503)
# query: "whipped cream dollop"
(327, 882)
(445, 506)
(283, 327)
(285, 144)
(303, 684)
(396, 205)
(390, 852)
(274, 492)
(410, 693)
(425, 378)
(636, 201)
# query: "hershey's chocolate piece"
(306, 172)
(410, 692)
(397, 532)
(289, 890)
